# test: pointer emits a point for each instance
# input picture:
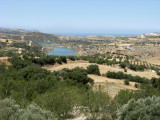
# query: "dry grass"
(103, 69)
(111, 86)
(153, 60)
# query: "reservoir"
(59, 51)
(62, 51)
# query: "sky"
(82, 16)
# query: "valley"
(106, 72)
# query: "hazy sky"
(82, 16)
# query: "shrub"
(72, 58)
(8, 109)
(137, 67)
(100, 61)
(34, 112)
(60, 101)
(123, 65)
(158, 73)
(142, 109)
(79, 75)
(136, 85)
(11, 111)
(59, 61)
(132, 67)
(121, 75)
(155, 82)
(125, 70)
(124, 96)
(93, 69)
(126, 82)
(18, 63)
(63, 59)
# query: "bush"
(100, 61)
(123, 65)
(124, 96)
(155, 82)
(60, 101)
(125, 70)
(158, 73)
(126, 82)
(18, 63)
(78, 75)
(34, 112)
(136, 85)
(43, 60)
(59, 61)
(121, 75)
(63, 59)
(142, 109)
(8, 109)
(72, 58)
(11, 111)
(132, 67)
(137, 67)
(93, 69)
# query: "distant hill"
(19, 34)
(149, 35)
(11, 31)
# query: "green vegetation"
(59, 61)
(121, 75)
(137, 67)
(123, 65)
(12, 111)
(126, 82)
(93, 69)
(63, 59)
(36, 93)
(36, 48)
(125, 70)
(142, 109)
(71, 58)
(6, 54)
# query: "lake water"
(62, 51)
(59, 51)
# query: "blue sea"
(87, 34)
